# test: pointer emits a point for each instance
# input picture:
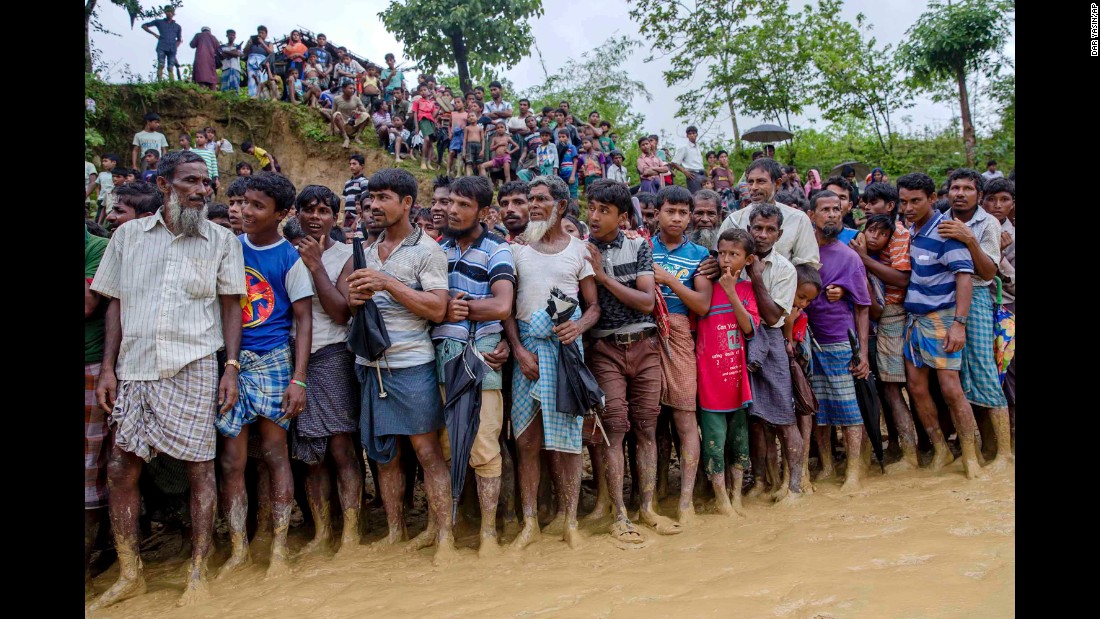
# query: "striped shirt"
(935, 261)
(896, 257)
(420, 264)
(486, 261)
(682, 262)
(987, 230)
(353, 188)
(625, 260)
(168, 287)
(210, 158)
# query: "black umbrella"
(368, 337)
(867, 397)
(578, 392)
(766, 133)
(463, 376)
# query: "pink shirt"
(424, 109)
(720, 352)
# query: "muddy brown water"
(914, 544)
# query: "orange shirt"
(295, 49)
(897, 257)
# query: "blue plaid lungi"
(231, 80)
(262, 381)
(560, 431)
(834, 387)
(980, 381)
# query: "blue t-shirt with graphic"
(682, 262)
(566, 155)
(275, 277)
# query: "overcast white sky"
(570, 28)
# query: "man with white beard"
(706, 213)
(551, 259)
(174, 281)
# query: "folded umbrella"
(463, 377)
(578, 393)
(367, 336)
(867, 396)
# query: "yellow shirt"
(261, 154)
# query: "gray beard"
(187, 221)
(705, 237)
(538, 229)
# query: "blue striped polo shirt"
(935, 262)
(486, 261)
(682, 262)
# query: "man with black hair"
(441, 201)
(349, 115)
(133, 201)
(169, 36)
(831, 320)
(689, 161)
(497, 108)
(235, 196)
(482, 282)
(980, 232)
(938, 301)
(324, 430)
(514, 207)
(625, 356)
(406, 276)
(797, 243)
(649, 205)
(271, 381)
(1000, 202)
(991, 171)
(845, 190)
(218, 214)
(159, 378)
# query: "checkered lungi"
(924, 339)
(980, 379)
(262, 381)
(332, 403)
(834, 387)
(169, 415)
(560, 431)
(231, 80)
(678, 389)
(97, 445)
(891, 343)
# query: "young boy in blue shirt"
(567, 155)
(272, 388)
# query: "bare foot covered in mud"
(426, 539)
(661, 524)
(488, 547)
(573, 537)
(973, 470)
(391, 540)
(783, 490)
(901, 466)
(123, 589)
(686, 515)
(240, 559)
(756, 490)
(941, 458)
(791, 499)
(852, 484)
(261, 544)
(445, 553)
(279, 566)
(602, 510)
(528, 535)
(825, 474)
(196, 591)
(555, 526)
(319, 544)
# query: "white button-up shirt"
(798, 242)
(689, 156)
(168, 286)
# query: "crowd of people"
(733, 315)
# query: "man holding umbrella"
(841, 269)
(482, 283)
(406, 276)
(553, 259)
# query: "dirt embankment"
(298, 137)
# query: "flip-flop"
(626, 536)
(667, 526)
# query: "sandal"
(626, 535)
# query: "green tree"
(854, 77)
(685, 33)
(950, 41)
(91, 21)
(774, 65)
(472, 35)
(597, 81)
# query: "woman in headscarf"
(813, 182)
